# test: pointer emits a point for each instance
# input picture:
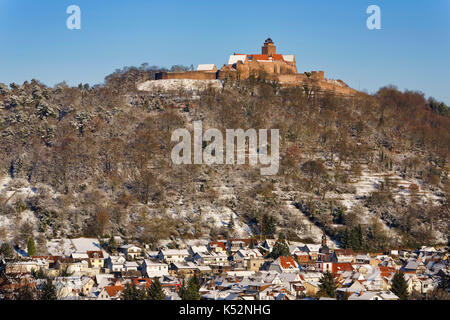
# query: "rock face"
(176, 84)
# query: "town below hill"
(233, 269)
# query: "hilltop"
(95, 161)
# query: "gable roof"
(113, 290)
(218, 243)
(344, 252)
(206, 67)
(95, 254)
(341, 267)
(286, 262)
(237, 57)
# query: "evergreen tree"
(112, 246)
(191, 290)
(231, 223)
(25, 292)
(399, 286)
(353, 238)
(47, 291)
(268, 225)
(280, 248)
(327, 285)
(155, 291)
(444, 282)
(131, 292)
(6, 251)
(31, 247)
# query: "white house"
(211, 258)
(131, 251)
(197, 249)
(173, 255)
(130, 266)
(153, 269)
(116, 263)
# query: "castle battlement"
(268, 64)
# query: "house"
(362, 258)
(142, 282)
(213, 258)
(427, 251)
(355, 287)
(343, 255)
(284, 264)
(130, 266)
(110, 293)
(338, 268)
(116, 263)
(235, 245)
(76, 266)
(373, 295)
(414, 266)
(79, 255)
(218, 246)
(131, 251)
(268, 244)
(87, 283)
(250, 259)
(170, 283)
(311, 287)
(183, 269)
(96, 259)
(173, 255)
(24, 266)
(153, 269)
(312, 250)
(301, 256)
(197, 249)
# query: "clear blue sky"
(411, 51)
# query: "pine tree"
(155, 291)
(231, 223)
(31, 247)
(6, 251)
(131, 292)
(191, 290)
(280, 248)
(399, 286)
(268, 225)
(25, 292)
(112, 246)
(327, 285)
(48, 291)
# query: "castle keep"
(268, 64)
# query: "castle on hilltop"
(268, 64)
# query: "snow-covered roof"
(206, 67)
(235, 58)
(289, 57)
(80, 255)
(175, 252)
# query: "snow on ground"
(57, 247)
(176, 84)
(12, 190)
(68, 246)
(214, 216)
(310, 230)
(4, 182)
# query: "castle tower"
(269, 48)
(324, 240)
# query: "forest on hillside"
(97, 159)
